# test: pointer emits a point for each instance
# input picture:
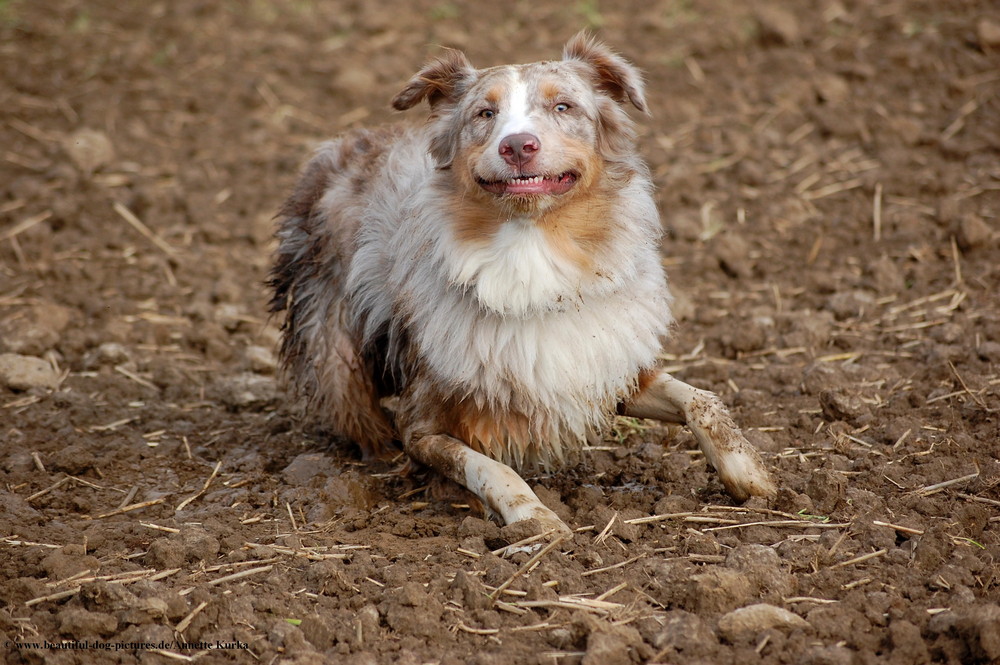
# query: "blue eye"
(488, 114)
(560, 107)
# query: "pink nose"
(519, 149)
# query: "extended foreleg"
(495, 483)
(738, 463)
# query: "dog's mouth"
(531, 185)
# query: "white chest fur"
(517, 326)
(515, 272)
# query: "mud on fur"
(497, 270)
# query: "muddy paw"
(743, 474)
(542, 521)
(554, 524)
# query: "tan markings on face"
(494, 95)
(549, 90)
(475, 217)
(568, 142)
(529, 95)
(579, 228)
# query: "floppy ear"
(612, 73)
(442, 79)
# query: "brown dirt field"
(829, 173)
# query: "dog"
(497, 272)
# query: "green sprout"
(823, 519)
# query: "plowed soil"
(829, 177)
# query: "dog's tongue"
(534, 185)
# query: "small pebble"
(89, 149)
(755, 619)
(19, 372)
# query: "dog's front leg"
(495, 483)
(738, 463)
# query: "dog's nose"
(519, 149)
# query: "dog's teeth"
(527, 180)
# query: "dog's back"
(321, 356)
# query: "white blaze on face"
(516, 114)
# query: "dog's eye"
(561, 107)
(487, 114)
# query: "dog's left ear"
(442, 79)
(612, 73)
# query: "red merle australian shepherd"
(498, 271)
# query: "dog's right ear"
(442, 79)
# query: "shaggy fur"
(497, 269)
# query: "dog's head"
(528, 136)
